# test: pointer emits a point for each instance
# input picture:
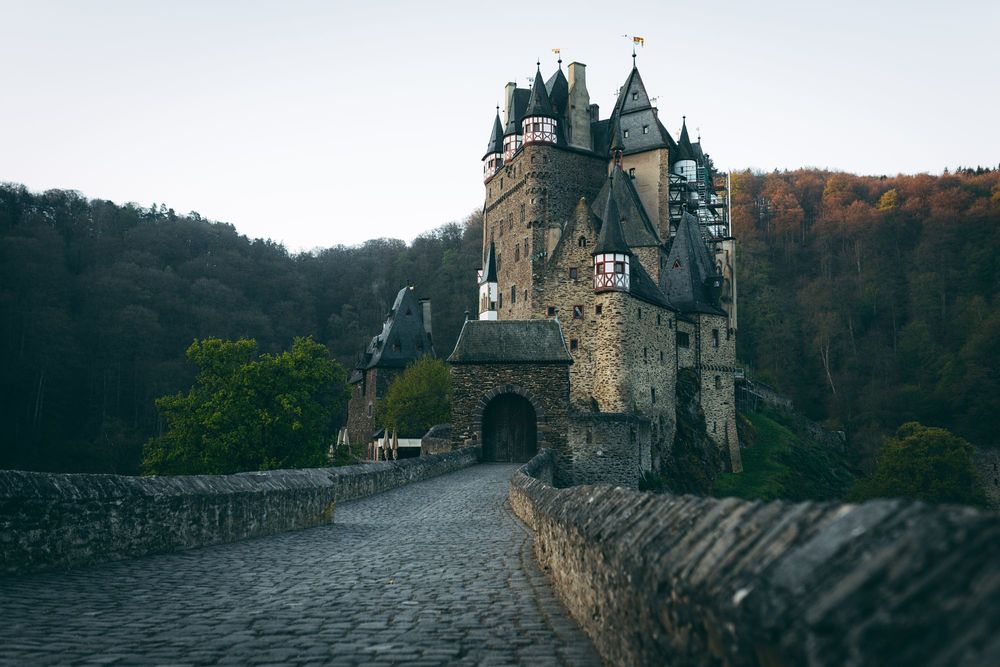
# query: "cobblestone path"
(438, 572)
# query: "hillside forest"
(870, 301)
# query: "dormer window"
(626, 134)
(645, 129)
(631, 173)
(635, 96)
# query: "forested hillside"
(98, 303)
(871, 301)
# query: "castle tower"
(539, 124)
(515, 101)
(493, 158)
(488, 287)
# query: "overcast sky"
(318, 123)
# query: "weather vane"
(636, 41)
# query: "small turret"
(488, 286)
(515, 104)
(539, 124)
(685, 164)
(612, 256)
(492, 159)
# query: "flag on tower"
(556, 51)
(641, 41)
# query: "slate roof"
(495, 144)
(518, 104)
(538, 103)
(611, 238)
(639, 229)
(402, 339)
(558, 89)
(642, 286)
(684, 149)
(688, 267)
(510, 341)
(635, 115)
(490, 266)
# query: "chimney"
(595, 113)
(425, 311)
(508, 102)
(579, 107)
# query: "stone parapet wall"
(683, 580)
(52, 520)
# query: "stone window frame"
(573, 273)
(715, 338)
(578, 311)
(574, 344)
(552, 311)
(599, 309)
(581, 242)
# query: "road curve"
(437, 572)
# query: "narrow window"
(522, 212)
(715, 338)
(577, 312)
(683, 340)
(598, 309)
(626, 134)
(718, 382)
(645, 129)
(635, 96)
(369, 410)
(573, 344)
(581, 242)
(513, 294)
(652, 393)
(631, 173)
(552, 311)
(525, 295)
(640, 314)
(500, 300)
(645, 356)
(517, 252)
(573, 273)
(714, 426)
(657, 319)
(661, 356)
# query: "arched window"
(581, 242)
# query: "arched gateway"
(510, 429)
(511, 388)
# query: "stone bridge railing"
(54, 520)
(657, 579)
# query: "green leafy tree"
(250, 411)
(418, 398)
(925, 463)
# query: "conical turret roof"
(684, 149)
(490, 266)
(495, 144)
(558, 89)
(539, 103)
(688, 268)
(611, 238)
(518, 103)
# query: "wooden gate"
(510, 432)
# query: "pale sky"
(318, 123)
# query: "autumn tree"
(418, 398)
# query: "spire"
(538, 103)
(689, 270)
(495, 144)
(490, 266)
(684, 149)
(612, 238)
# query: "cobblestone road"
(439, 572)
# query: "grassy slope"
(782, 461)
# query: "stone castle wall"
(652, 181)
(52, 520)
(368, 392)
(683, 580)
(538, 190)
(718, 387)
(606, 449)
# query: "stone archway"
(510, 429)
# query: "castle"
(608, 267)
